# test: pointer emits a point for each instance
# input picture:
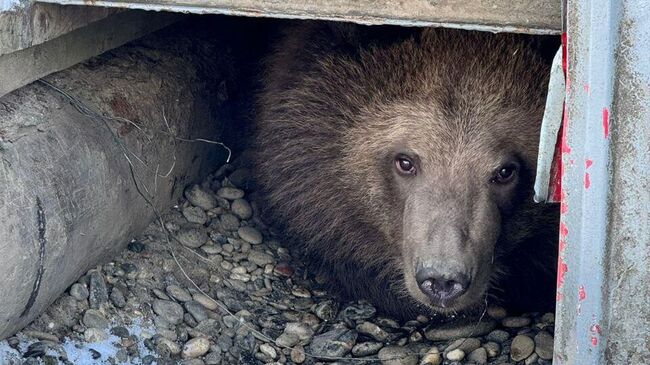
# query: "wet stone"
(259, 258)
(498, 336)
(466, 344)
(326, 310)
(459, 329)
(229, 222)
(455, 355)
(196, 347)
(522, 346)
(359, 311)
(492, 348)
(117, 298)
(297, 354)
(394, 355)
(196, 310)
(178, 293)
(432, 357)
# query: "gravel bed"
(248, 302)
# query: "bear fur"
(339, 102)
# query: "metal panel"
(603, 315)
(528, 16)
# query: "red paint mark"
(587, 181)
(596, 329)
(565, 125)
(562, 245)
(558, 296)
(582, 294)
(588, 163)
(594, 341)
(564, 208)
(563, 38)
(585, 87)
(563, 230)
(606, 122)
(562, 269)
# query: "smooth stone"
(200, 198)
(432, 357)
(372, 330)
(250, 235)
(196, 310)
(455, 355)
(172, 312)
(298, 355)
(359, 311)
(366, 348)
(79, 291)
(515, 322)
(522, 346)
(95, 335)
(117, 298)
(206, 301)
(195, 215)
(242, 209)
(337, 342)
(192, 235)
(326, 310)
(478, 356)
(466, 344)
(178, 293)
(300, 330)
(229, 222)
(196, 347)
(498, 336)
(269, 351)
(493, 349)
(98, 293)
(171, 346)
(286, 340)
(456, 330)
(395, 355)
(260, 258)
(544, 345)
(230, 193)
(95, 319)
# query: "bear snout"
(441, 286)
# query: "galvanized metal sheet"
(603, 315)
(526, 16)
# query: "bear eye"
(404, 165)
(505, 174)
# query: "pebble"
(478, 356)
(230, 193)
(79, 291)
(98, 293)
(200, 198)
(170, 311)
(522, 346)
(269, 351)
(196, 310)
(95, 319)
(372, 330)
(192, 235)
(492, 348)
(169, 345)
(196, 347)
(366, 348)
(95, 335)
(229, 222)
(326, 310)
(498, 336)
(359, 311)
(260, 258)
(466, 344)
(195, 215)
(117, 298)
(394, 355)
(298, 354)
(544, 345)
(497, 313)
(455, 355)
(178, 293)
(453, 331)
(206, 301)
(301, 330)
(250, 235)
(432, 357)
(242, 209)
(337, 342)
(286, 340)
(515, 322)
(41, 336)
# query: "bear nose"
(439, 288)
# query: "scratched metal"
(603, 315)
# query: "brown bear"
(401, 161)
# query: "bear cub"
(401, 162)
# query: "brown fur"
(337, 103)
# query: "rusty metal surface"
(603, 315)
(526, 16)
